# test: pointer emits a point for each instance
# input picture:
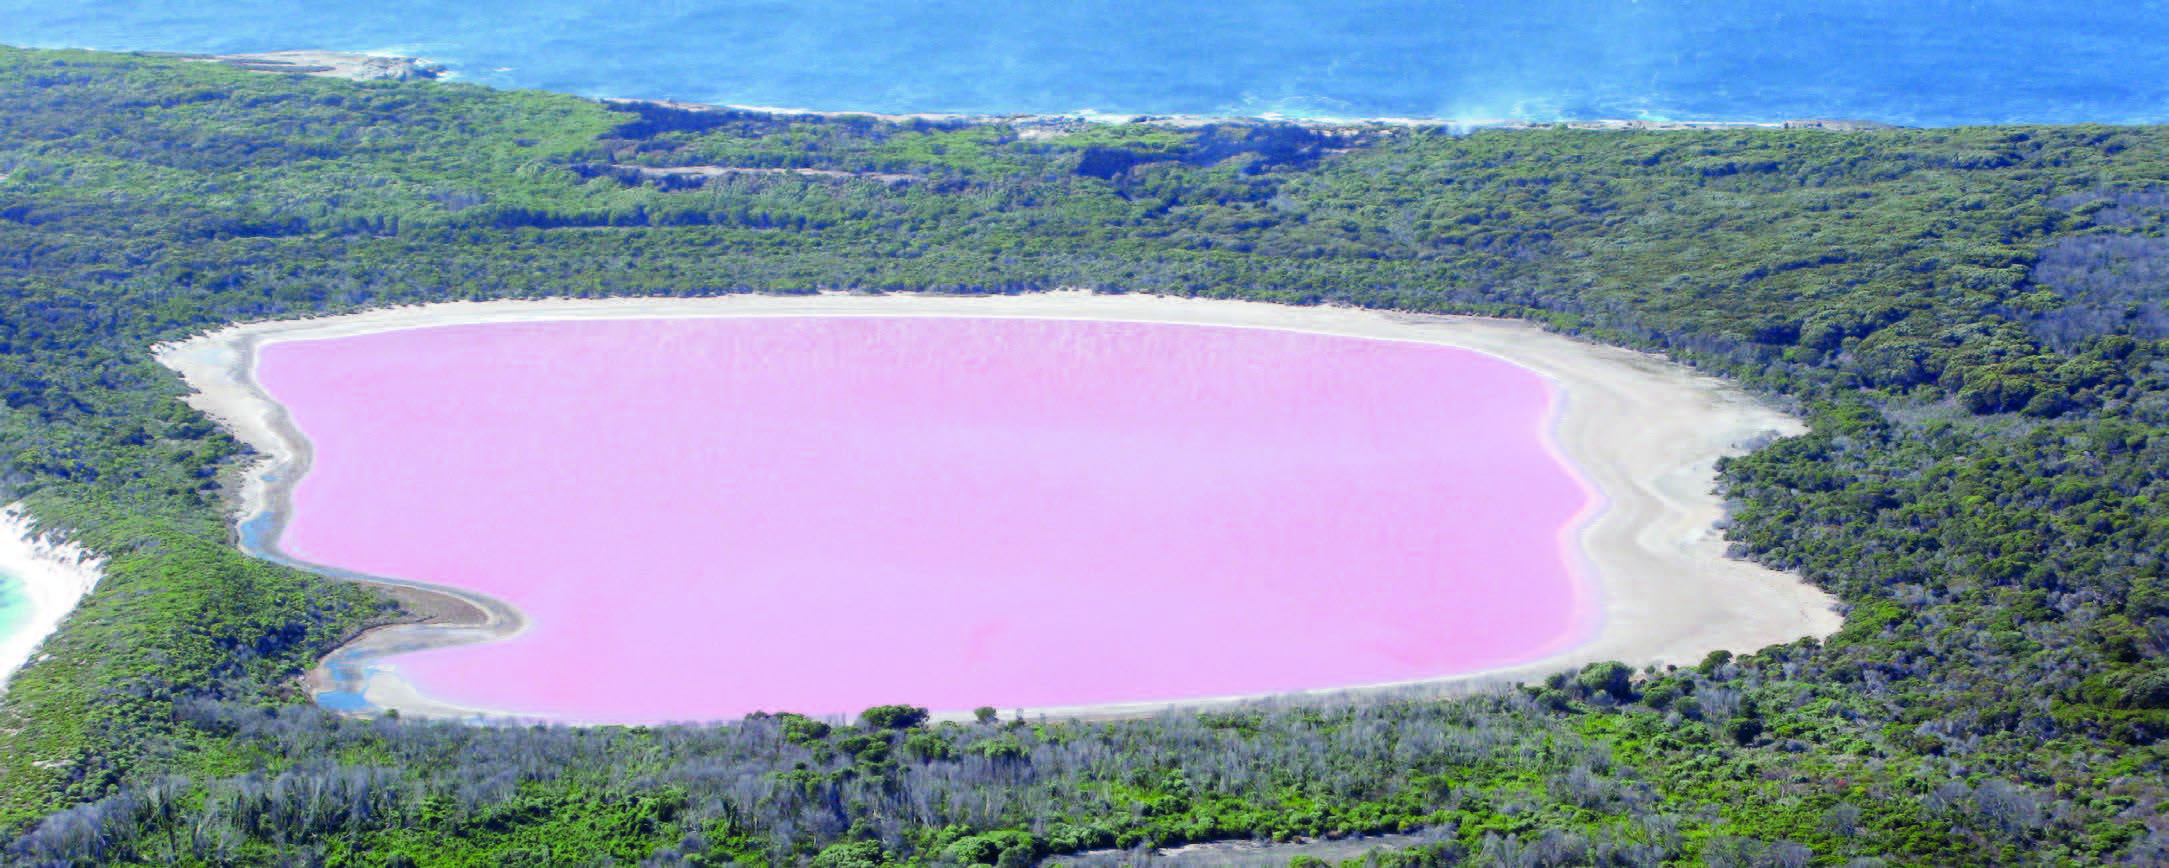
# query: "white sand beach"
(54, 576)
(1643, 432)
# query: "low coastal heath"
(1640, 434)
(52, 578)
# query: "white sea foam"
(54, 575)
(424, 51)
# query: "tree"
(893, 717)
(1610, 676)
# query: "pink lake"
(707, 517)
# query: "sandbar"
(1645, 433)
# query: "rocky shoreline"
(1050, 125)
(329, 64)
(369, 67)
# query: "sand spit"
(1645, 433)
(55, 576)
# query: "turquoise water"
(14, 607)
(1932, 62)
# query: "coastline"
(1642, 433)
(360, 66)
(55, 577)
(1052, 125)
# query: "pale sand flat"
(331, 64)
(1643, 432)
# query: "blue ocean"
(1918, 62)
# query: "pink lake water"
(707, 517)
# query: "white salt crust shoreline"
(1643, 432)
(55, 577)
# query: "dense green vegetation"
(1971, 319)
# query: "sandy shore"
(1644, 433)
(220, 368)
(54, 576)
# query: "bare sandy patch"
(331, 64)
(1644, 433)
